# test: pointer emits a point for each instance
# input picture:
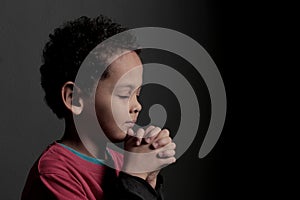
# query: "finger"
(130, 132)
(161, 142)
(163, 133)
(167, 161)
(130, 137)
(171, 145)
(150, 128)
(167, 153)
(147, 133)
(152, 134)
(139, 136)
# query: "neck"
(72, 139)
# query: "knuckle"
(166, 132)
(165, 141)
(141, 130)
(173, 145)
(157, 129)
(169, 140)
(151, 127)
(171, 153)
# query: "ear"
(72, 102)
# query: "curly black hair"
(66, 50)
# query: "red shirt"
(61, 174)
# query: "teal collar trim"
(84, 157)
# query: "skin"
(116, 96)
(117, 109)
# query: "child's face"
(116, 102)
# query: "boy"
(67, 169)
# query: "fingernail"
(147, 140)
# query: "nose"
(135, 106)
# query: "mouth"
(130, 124)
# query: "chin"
(119, 137)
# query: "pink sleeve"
(63, 187)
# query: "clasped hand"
(148, 151)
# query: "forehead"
(125, 63)
(126, 70)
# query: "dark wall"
(27, 125)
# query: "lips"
(130, 124)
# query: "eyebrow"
(129, 86)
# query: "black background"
(226, 29)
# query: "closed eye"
(123, 97)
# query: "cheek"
(102, 105)
(111, 110)
(103, 109)
(120, 109)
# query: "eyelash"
(126, 97)
(123, 97)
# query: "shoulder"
(55, 160)
(49, 171)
